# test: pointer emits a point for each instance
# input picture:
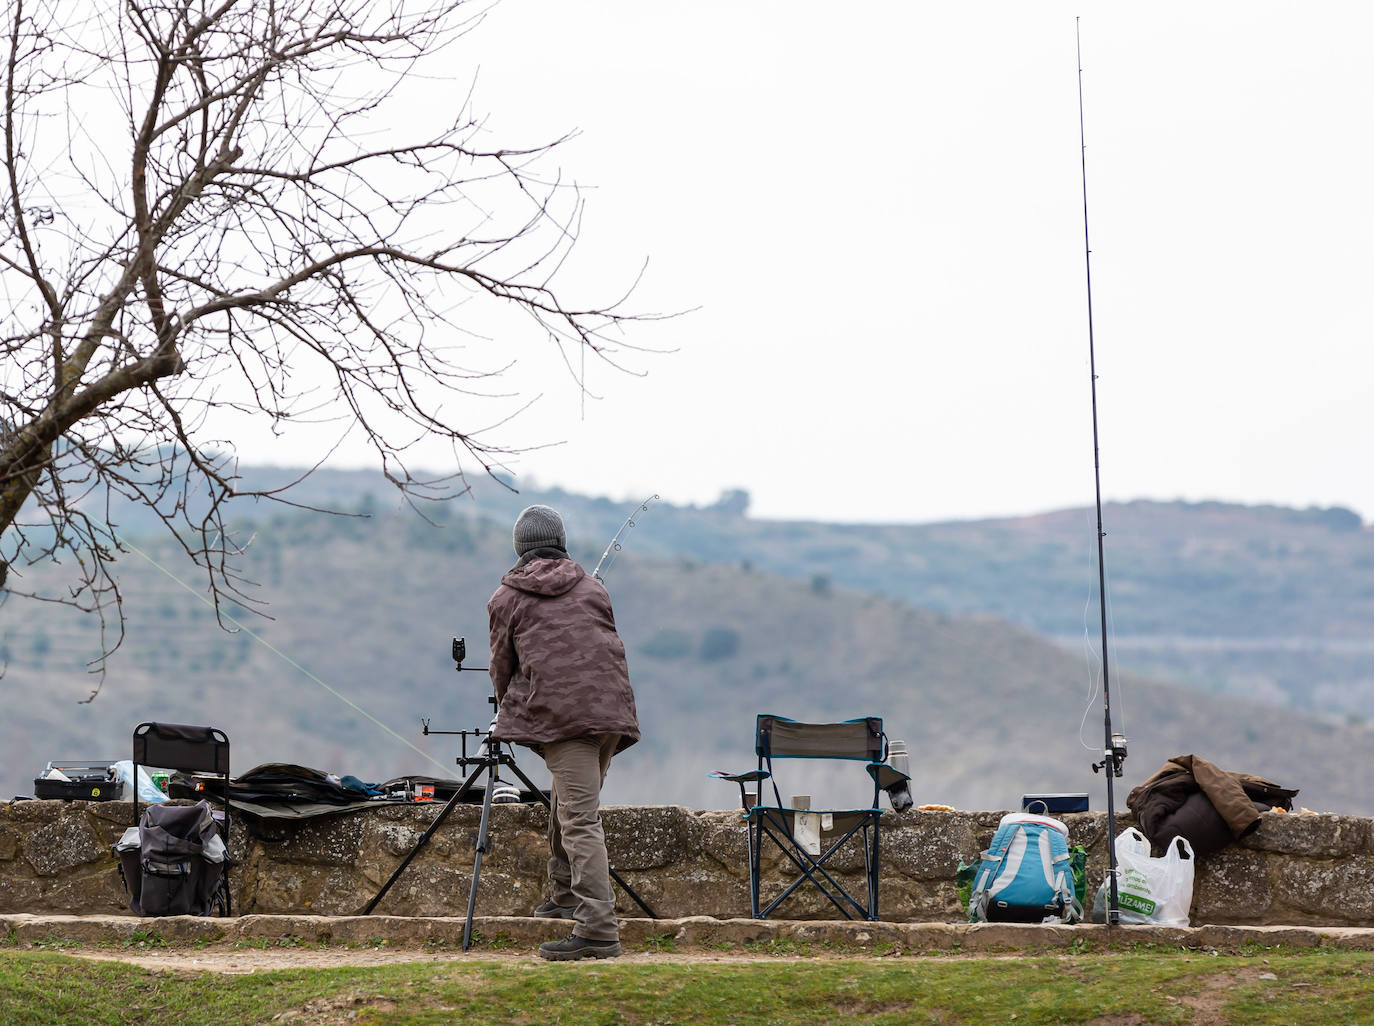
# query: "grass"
(659, 943)
(146, 939)
(1158, 986)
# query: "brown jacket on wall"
(557, 663)
(1190, 797)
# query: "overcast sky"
(875, 213)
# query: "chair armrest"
(885, 776)
(740, 778)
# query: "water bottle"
(899, 794)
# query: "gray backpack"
(172, 863)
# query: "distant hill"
(363, 610)
(1262, 602)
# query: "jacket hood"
(545, 576)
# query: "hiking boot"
(573, 947)
(549, 910)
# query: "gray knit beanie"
(538, 527)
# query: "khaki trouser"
(579, 871)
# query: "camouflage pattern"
(557, 663)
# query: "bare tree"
(207, 203)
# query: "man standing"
(558, 667)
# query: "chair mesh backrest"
(183, 747)
(777, 737)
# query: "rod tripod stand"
(489, 759)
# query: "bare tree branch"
(211, 208)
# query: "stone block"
(323, 840)
(62, 844)
(1235, 938)
(651, 836)
(10, 839)
(725, 839)
(1022, 936)
(110, 819)
(1327, 890)
(25, 816)
(928, 845)
(1311, 836)
(427, 889)
(905, 900)
(1232, 886)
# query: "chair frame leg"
(764, 822)
(754, 875)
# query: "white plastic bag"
(147, 790)
(1149, 890)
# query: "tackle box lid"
(1060, 801)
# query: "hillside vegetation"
(357, 652)
(1260, 602)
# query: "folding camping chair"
(811, 838)
(178, 746)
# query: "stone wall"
(55, 857)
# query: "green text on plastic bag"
(1135, 903)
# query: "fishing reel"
(1114, 756)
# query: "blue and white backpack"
(1026, 875)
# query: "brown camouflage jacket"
(557, 663)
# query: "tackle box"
(91, 782)
(1060, 802)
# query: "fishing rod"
(614, 547)
(1114, 749)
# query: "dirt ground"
(252, 960)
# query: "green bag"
(963, 883)
(1078, 862)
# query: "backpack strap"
(1063, 886)
(988, 866)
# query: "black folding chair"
(178, 746)
(811, 838)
